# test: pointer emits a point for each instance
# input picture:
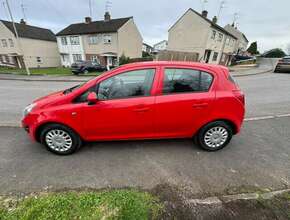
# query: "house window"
(93, 39)
(11, 43)
(228, 41)
(107, 39)
(213, 34)
(63, 41)
(77, 57)
(220, 37)
(38, 60)
(75, 40)
(215, 56)
(4, 43)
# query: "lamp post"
(17, 37)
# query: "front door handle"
(200, 105)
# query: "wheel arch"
(39, 129)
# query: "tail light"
(239, 95)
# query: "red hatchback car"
(152, 100)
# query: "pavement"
(258, 157)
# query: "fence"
(177, 56)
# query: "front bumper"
(28, 124)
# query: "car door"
(185, 101)
(125, 108)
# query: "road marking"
(267, 117)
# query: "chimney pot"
(107, 16)
(204, 13)
(88, 20)
(214, 20)
(22, 21)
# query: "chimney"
(214, 20)
(107, 16)
(22, 21)
(204, 13)
(88, 20)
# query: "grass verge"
(61, 71)
(116, 204)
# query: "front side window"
(75, 40)
(127, 85)
(185, 81)
(4, 43)
(63, 41)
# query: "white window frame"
(74, 40)
(11, 43)
(76, 57)
(93, 39)
(4, 43)
(107, 39)
(220, 38)
(63, 41)
(213, 34)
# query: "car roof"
(173, 63)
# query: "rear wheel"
(60, 139)
(86, 71)
(214, 136)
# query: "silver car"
(283, 65)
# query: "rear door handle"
(200, 105)
(141, 109)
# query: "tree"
(124, 60)
(275, 53)
(253, 49)
(288, 49)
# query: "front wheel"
(60, 139)
(214, 136)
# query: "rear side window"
(185, 81)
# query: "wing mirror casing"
(92, 98)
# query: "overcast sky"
(267, 22)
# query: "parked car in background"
(87, 67)
(151, 100)
(283, 65)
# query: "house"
(147, 48)
(37, 44)
(242, 41)
(194, 32)
(103, 41)
(160, 46)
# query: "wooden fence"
(167, 55)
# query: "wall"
(46, 50)
(130, 40)
(189, 34)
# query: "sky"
(267, 22)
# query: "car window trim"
(189, 68)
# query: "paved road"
(259, 157)
(266, 94)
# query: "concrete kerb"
(217, 201)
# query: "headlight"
(28, 109)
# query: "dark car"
(283, 65)
(86, 67)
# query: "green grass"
(116, 204)
(41, 71)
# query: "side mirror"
(92, 98)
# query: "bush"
(123, 60)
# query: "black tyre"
(214, 136)
(60, 139)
